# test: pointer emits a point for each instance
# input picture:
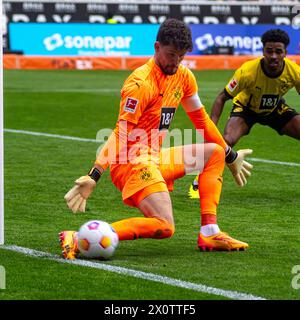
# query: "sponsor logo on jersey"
(131, 104)
(232, 85)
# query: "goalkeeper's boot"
(220, 242)
(69, 244)
(194, 189)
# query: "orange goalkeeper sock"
(210, 182)
(135, 228)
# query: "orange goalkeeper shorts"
(136, 181)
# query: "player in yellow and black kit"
(257, 89)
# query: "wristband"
(230, 155)
(95, 174)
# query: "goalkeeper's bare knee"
(164, 230)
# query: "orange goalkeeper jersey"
(149, 100)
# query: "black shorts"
(277, 119)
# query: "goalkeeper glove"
(239, 168)
(84, 186)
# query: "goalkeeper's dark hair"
(275, 35)
(176, 33)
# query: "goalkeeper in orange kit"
(142, 170)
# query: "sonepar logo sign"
(83, 39)
(245, 39)
(244, 44)
(87, 43)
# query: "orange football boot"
(69, 244)
(220, 242)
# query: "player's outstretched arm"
(239, 168)
(84, 186)
(218, 106)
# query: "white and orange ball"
(97, 239)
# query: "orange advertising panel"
(209, 62)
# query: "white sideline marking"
(50, 135)
(84, 90)
(57, 136)
(292, 164)
(135, 273)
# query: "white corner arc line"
(135, 273)
(57, 136)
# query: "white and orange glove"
(239, 168)
(84, 186)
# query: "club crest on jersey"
(131, 104)
(145, 174)
(284, 85)
(232, 85)
(177, 94)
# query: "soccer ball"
(97, 239)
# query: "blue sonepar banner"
(245, 39)
(81, 39)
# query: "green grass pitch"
(39, 170)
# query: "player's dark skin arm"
(218, 106)
(235, 127)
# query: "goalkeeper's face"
(168, 58)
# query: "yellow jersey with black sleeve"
(251, 88)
